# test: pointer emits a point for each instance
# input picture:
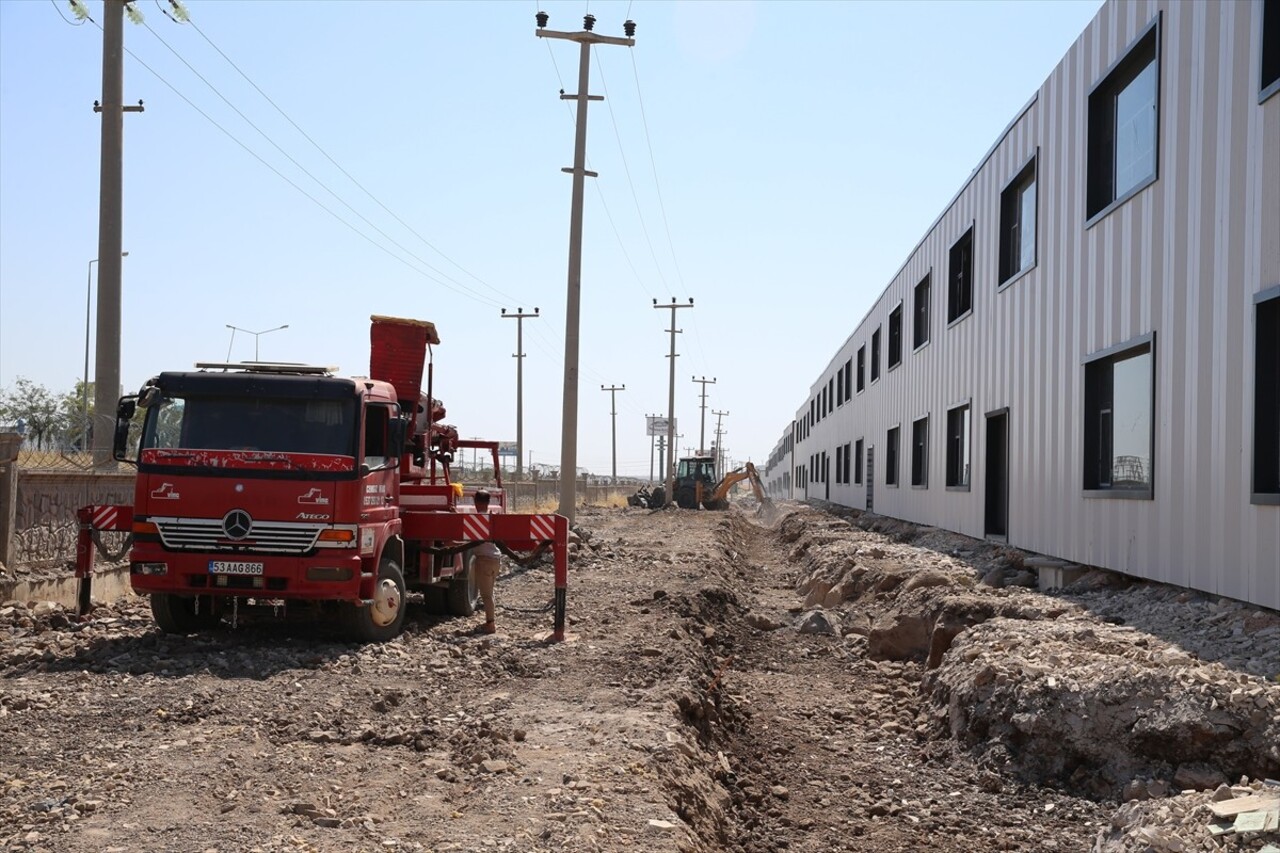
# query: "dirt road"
(724, 686)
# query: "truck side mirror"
(397, 430)
(124, 447)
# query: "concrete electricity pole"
(613, 405)
(719, 442)
(702, 430)
(519, 317)
(670, 471)
(569, 426)
(110, 228)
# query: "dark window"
(1018, 224)
(1270, 48)
(862, 367)
(831, 393)
(857, 462)
(848, 380)
(1124, 126)
(840, 387)
(921, 309)
(960, 278)
(839, 464)
(847, 454)
(1119, 399)
(1266, 399)
(895, 337)
(891, 458)
(958, 447)
(813, 407)
(822, 412)
(875, 354)
(920, 452)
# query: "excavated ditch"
(1024, 697)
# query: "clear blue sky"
(801, 150)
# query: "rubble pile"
(1094, 706)
(1094, 687)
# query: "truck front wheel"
(179, 614)
(382, 619)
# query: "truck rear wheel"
(382, 619)
(178, 614)
(463, 594)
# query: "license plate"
(224, 567)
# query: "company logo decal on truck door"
(315, 496)
(165, 493)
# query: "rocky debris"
(1247, 813)
(679, 716)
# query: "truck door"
(379, 480)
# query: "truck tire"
(658, 498)
(176, 614)
(463, 594)
(383, 619)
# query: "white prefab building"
(1082, 355)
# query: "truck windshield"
(280, 425)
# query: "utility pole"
(719, 441)
(110, 228)
(519, 317)
(702, 430)
(647, 421)
(613, 405)
(569, 426)
(662, 444)
(670, 471)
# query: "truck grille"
(207, 534)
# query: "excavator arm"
(720, 497)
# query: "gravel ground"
(829, 683)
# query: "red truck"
(271, 484)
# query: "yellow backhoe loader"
(696, 483)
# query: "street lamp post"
(256, 335)
(84, 390)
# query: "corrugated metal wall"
(1183, 258)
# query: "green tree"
(78, 419)
(38, 408)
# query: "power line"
(603, 203)
(627, 168)
(654, 164)
(479, 296)
(339, 167)
(278, 173)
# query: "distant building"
(1082, 355)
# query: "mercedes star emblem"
(237, 524)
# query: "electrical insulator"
(629, 27)
(542, 17)
(589, 22)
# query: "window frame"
(858, 449)
(963, 405)
(969, 236)
(1265, 89)
(875, 356)
(839, 464)
(848, 449)
(892, 450)
(862, 364)
(1109, 84)
(1017, 184)
(1112, 355)
(927, 284)
(920, 467)
(1256, 496)
(889, 361)
(848, 379)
